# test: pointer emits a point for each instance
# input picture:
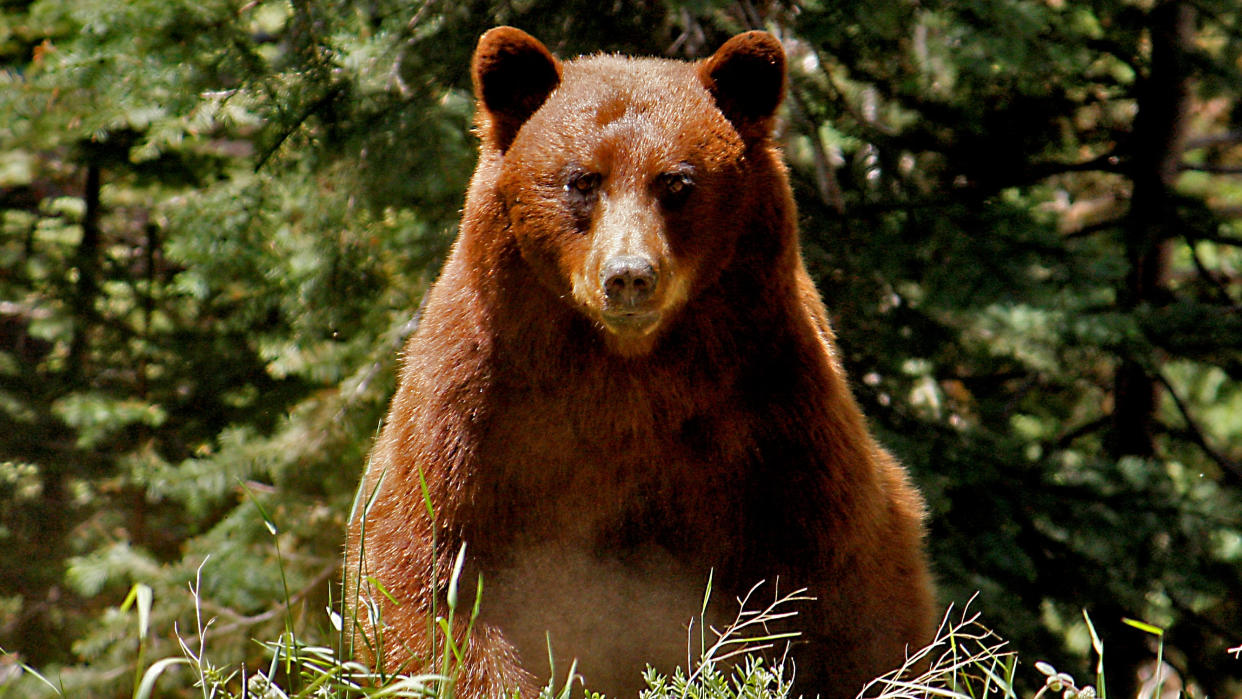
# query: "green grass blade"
(143, 691)
(1098, 645)
(1144, 626)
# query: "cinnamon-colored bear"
(624, 381)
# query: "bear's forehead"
(633, 109)
(608, 87)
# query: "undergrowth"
(966, 660)
(743, 661)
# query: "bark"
(86, 261)
(1163, 97)
(1158, 141)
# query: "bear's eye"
(674, 188)
(583, 183)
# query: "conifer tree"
(217, 220)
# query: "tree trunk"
(1156, 150)
(1163, 97)
(86, 261)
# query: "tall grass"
(966, 659)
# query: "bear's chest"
(608, 455)
(612, 615)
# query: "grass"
(966, 660)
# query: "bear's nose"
(629, 281)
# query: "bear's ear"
(513, 74)
(747, 78)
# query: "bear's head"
(625, 181)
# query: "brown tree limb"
(240, 621)
(1231, 468)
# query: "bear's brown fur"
(624, 380)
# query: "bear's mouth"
(631, 322)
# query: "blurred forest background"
(219, 217)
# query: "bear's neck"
(747, 342)
(743, 369)
(538, 335)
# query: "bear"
(623, 385)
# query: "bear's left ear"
(513, 74)
(747, 78)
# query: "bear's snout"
(629, 281)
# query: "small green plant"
(969, 661)
(23, 668)
(743, 641)
(965, 660)
(1063, 684)
(447, 649)
(744, 660)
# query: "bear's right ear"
(746, 76)
(513, 74)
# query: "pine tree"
(219, 217)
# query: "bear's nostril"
(628, 280)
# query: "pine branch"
(1083, 430)
(1092, 229)
(1221, 239)
(242, 621)
(826, 183)
(311, 109)
(1222, 293)
(1231, 468)
(1211, 169)
(1219, 139)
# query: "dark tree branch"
(1221, 239)
(826, 183)
(1211, 169)
(311, 109)
(241, 621)
(1218, 139)
(838, 96)
(1222, 293)
(1231, 468)
(1092, 229)
(1083, 430)
(1108, 162)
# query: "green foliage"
(750, 679)
(217, 220)
(981, 207)
(965, 660)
